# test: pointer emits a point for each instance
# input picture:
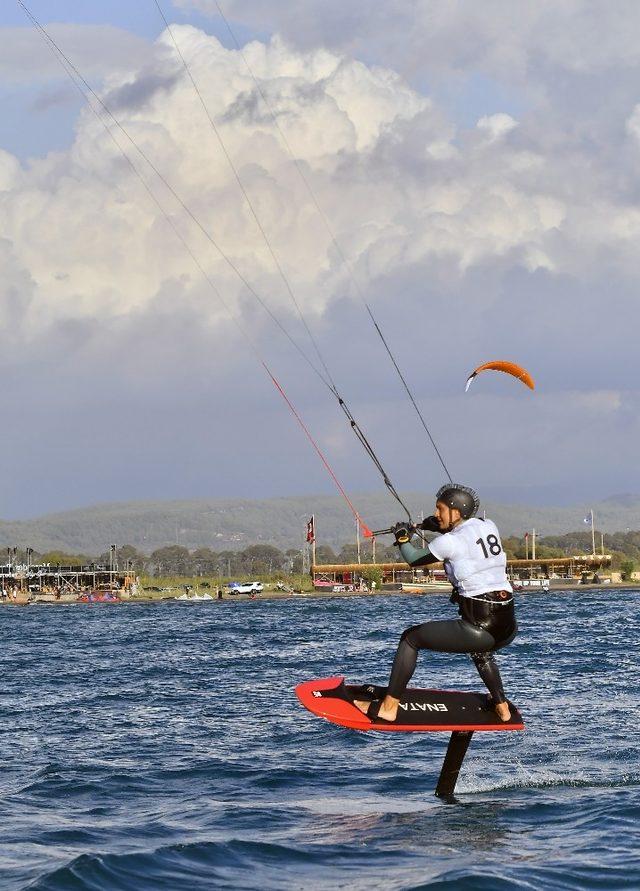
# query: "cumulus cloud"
(515, 237)
(98, 244)
(402, 185)
(367, 139)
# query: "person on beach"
(475, 564)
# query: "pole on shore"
(313, 543)
(593, 534)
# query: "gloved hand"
(429, 524)
(402, 532)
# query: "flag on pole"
(311, 529)
(587, 520)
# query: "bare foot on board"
(388, 710)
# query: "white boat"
(523, 585)
(194, 598)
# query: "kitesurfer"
(475, 564)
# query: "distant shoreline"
(67, 600)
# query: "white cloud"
(402, 186)
(97, 245)
(10, 172)
(382, 159)
(517, 238)
(496, 125)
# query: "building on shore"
(554, 570)
(48, 581)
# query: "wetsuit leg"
(490, 674)
(452, 636)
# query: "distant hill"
(233, 524)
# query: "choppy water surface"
(160, 746)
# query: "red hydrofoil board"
(420, 710)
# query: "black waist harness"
(494, 611)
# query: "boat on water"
(195, 598)
(524, 586)
(348, 586)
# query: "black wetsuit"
(487, 623)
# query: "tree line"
(262, 559)
(174, 560)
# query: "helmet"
(460, 497)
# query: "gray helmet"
(460, 497)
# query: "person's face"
(446, 516)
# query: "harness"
(501, 598)
(486, 611)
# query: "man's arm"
(416, 556)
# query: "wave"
(472, 786)
(245, 865)
(195, 866)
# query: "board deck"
(420, 710)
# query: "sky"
(479, 167)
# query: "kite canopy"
(508, 368)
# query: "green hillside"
(233, 524)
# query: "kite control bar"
(424, 526)
(391, 530)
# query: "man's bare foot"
(503, 711)
(388, 707)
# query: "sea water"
(160, 746)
